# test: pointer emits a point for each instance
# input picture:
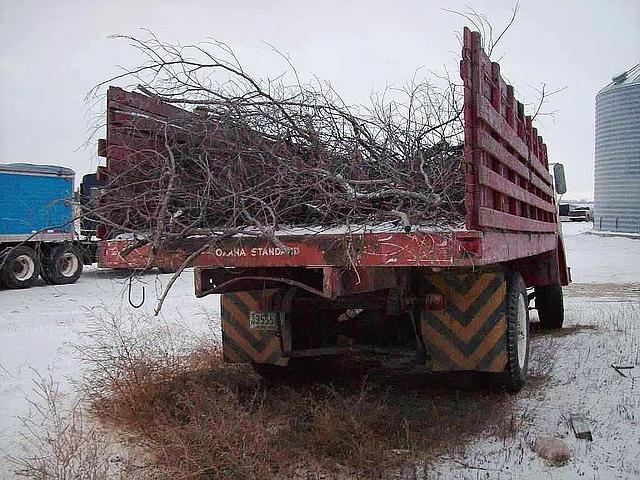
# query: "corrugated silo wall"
(617, 159)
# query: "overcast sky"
(53, 52)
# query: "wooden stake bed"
(509, 197)
(458, 297)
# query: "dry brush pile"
(157, 405)
(262, 155)
(158, 402)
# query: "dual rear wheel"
(21, 267)
(61, 265)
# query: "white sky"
(52, 53)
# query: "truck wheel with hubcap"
(62, 266)
(517, 332)
(550, 306)
(21, 268)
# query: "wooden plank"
(489, 115)
(141, 127)
(537, 160)
(511, 113)
(112, 105)
(102, 147)
(534, 151)
(504, 246)
(487, 143)
(470, 74)
(144, 103)
(534, 155)
(185, 120)
(491, 179)
(148, 125)
(542, 172)
(134, 156)
(505, 221)
(538, 183)
(123, 137)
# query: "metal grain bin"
(617, 154)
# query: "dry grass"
(211, 420)
(187, 415)
(60, 442)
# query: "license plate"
(264, 320)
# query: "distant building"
(617, 154)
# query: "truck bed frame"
(510, 203)
(456, 286)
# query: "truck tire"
(517, 332)
(62, 266)
(550, 306)
(21, 268)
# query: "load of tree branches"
(267, 154)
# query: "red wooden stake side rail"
(511, 211)
(508, 184)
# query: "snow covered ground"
(39, 326)
(600, 259)
(572, 373)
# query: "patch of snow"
(574, 376)
(39, 327)
(596, 259)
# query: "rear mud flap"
(241, 344)
(469, 333)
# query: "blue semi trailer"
(37, 227)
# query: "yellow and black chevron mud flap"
(470, 332)
(241, 344)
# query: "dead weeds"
(211, 420)
(188, 415)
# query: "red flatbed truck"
(458, 299)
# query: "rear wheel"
(62, 266)
(517, 332)
(550, 306)
(21, 268)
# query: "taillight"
(101, 174)
(434, 301)
(471, 245)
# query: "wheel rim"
(24, 267)
(522, 332)
(68, 264)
